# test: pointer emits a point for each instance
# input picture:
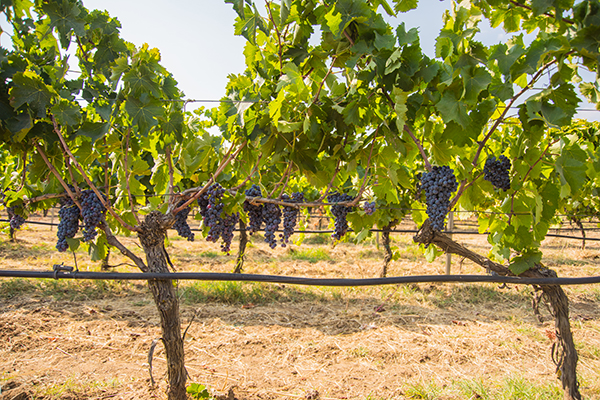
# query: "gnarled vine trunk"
(152, 237)
(564, 353)
(385, 239)
(242, 249)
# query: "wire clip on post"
(61, 267)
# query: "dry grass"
(82, 340)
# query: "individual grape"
(229, 223)
(369, 207)
(339, 212)
(16, 220)
(290, 216)
(214, 209)
(92, 212)
(255, 217)
(181, 225)
(496, 172)
(271, 214)
(69, 223)
(438, 184)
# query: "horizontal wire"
(292, 280)
(453, 232)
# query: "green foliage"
(198, 392)
(333, 98)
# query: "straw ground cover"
(90, 339)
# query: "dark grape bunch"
(290, 216)
(214, 208)
(181, 225)
(69, 223)
(496, 172)
(339, 212)
(369, 207)
(229, 223)
(271, 214)
(438, 185)
(16, 220)
(255, 218)
(92, 213)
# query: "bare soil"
(91, 340)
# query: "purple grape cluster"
(438, 185)
(214, 208)
(69, 223)
(369, 207)
(16, 219)
(340, 213)
(181, 225)
(255, 212)
(496, 172)
(229, 223)
(271, 214)
(290, 216)
(92, 213)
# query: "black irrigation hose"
(292, 280)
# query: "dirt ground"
(91, 340)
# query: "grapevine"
(438, 185)
(369, 207)
(339, 212)
(214, 208)
(181, 225)
(92, 213)
(255, 215)
(69, 223)
(16, 219)
(290, 216)
(229, 223)
(496, 172)
(271, 214)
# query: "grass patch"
(319, 238)
(512, 388)
(310, 255)
(245, 293)
(69, 290)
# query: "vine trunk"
(564, 353)
(152, 237)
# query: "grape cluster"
(255, 212)
(369, 207)
(214, 208)
(496, 172)
(339, 212)
(229, 223)
(69, 223)
(290, 216)
(438, 185)
(92, 212)
(16, 220)
(271, 214)
(181, 225)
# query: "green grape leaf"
(28, 88)
(94, 130)
(525, 262)
(67, 113)
(405, 5)
(144, 114)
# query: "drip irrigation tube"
(292, 280)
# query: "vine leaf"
(66, 113)
(94, 130)
(65, 17)
(144, 113)
(452, 109)
(30, 89)
(524, 262)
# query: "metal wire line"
(293, 280)
(454, 232)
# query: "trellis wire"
(293, 280)
(456, 232)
